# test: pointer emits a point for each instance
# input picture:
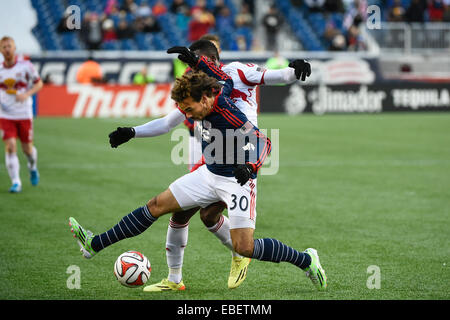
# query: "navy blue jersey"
(228, 137)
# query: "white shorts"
(202, 188)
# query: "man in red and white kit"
(18, 82)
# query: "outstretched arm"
(285, 75)
(160, 126)
(297, 69)
(152, 128)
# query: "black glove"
(121, 135)
(185, 55)
(302, 68)
(242, 173)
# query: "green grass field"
(365, 190)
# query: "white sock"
(176, 241)
(222, 231)
(32, 159)
(13, 166)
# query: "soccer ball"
(132, 269)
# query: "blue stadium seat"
(127, 44)
(141, 41)
(110, 45)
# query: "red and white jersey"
(15, 80)
(245, 79)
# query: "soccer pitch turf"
(364, 190)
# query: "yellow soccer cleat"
(238, 271)
(165, 285)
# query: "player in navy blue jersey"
(245, 78)
(228, 176)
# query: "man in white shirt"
(19, 81)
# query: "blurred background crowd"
(242, 25)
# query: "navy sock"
(131, 225)
(274, 250)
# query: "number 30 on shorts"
(243, 202)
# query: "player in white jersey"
(246, 77)
(19, 81)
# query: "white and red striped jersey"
(246, 77)
(14, 80)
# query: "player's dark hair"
(194, 85)
(205, 48)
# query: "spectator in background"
(315, 5)
(91, 31)
(354, 8)
(178, 6)
(333, 36)
(244, 26)
(224, 20)
(244, 18)
(218, 6)
(144, 10)
(416, 11)
(129, 6)
(89, 72)
(276, 62)
(199, 5)
(396, 12)
(111, 7)
(333, 6)
(338, 43)
(202, 21)
(182, 18)
(272, 22)
(109, 32)
(159, 8)
(124, 30)
(147, 24)
(115, 15)
(446, 15)
(143, 77)
(354, 39)
(435, 10)
(330, 32)
(240, 44)
(251, 6)
(178, 68)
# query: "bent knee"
(154, 207)
(183, 217)
(10, 146)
